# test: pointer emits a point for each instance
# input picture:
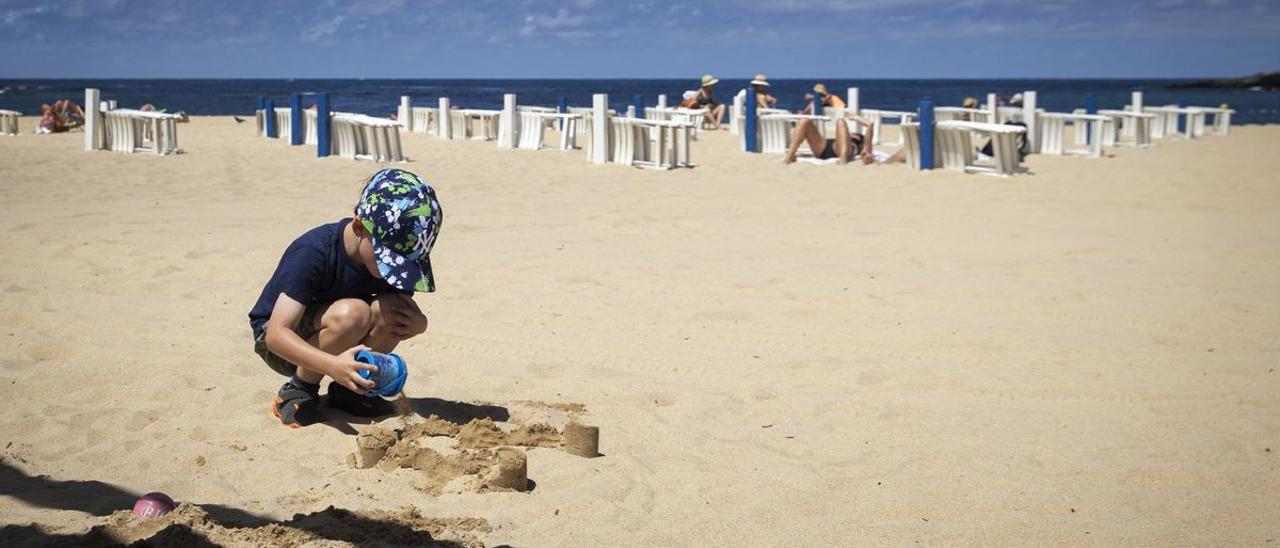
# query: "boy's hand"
(347, 370)
(400, 315)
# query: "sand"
(773, 355)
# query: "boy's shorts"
(306, 328)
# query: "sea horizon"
(381, 96)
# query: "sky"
(642, 39)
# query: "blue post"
(562, 107)
(322, 124)
(1090, 107)
(749, 124)
(926, 133)
(816, 108)
(295, 119)
(638, 101)
(269, 113)
(1182, 118)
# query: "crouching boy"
(345, 287)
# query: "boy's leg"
(380, 339)
(342, 324)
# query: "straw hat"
(970, 102)
(760, 80)
(1016, 100)
(709, 80)
(820, 88)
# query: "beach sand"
(774, 355)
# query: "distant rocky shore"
(1263, 80)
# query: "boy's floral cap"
(402, 215)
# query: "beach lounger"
(360, 137)
(953, 147)
(1053, 127)
(9, 122)
(1140, 132)
(1165, 124)
(425, 120)
(131, 131)
(653, 144)
(1221, 119)
(955, 141)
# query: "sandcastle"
(484, 457)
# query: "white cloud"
(322, 30)
(561, 21)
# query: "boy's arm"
(283, 341)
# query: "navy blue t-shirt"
(315, 268)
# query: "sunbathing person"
(704, 99)
(763, 99)
(846, 146)
(828, 100)
(49, 122)
(71, 114)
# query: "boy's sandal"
(296, 407)
(343, 399)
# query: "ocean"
(381, 97)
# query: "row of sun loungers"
(352, 136)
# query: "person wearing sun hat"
(705, 99)
(761, 84)
(828, 100)
(344, 287)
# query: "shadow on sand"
(455, 412)
(101, 499)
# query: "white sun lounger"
(1053, 126)
(360, 137)
(1140, 130)
(653, 144)
(1165, 124)
(131, 131)
(9, 122)
(1221, 119)
(425, 120)
(775, 129)
(953, 147)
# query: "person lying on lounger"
(61, 116)
(846, 146)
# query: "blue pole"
(1090, 107)
(1182, 118)
(295, 119)
(638, 101)
(926, 133)
(269, 112)
(562, 107)
(816, 108)
(322, 124)
(749, 124)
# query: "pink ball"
(153, 504)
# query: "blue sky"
(644, 39)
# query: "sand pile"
(190, 525)
(476, 456)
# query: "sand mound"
(482, 457)
(189, 525)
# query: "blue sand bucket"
(390, 375)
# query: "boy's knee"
(349, 316)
